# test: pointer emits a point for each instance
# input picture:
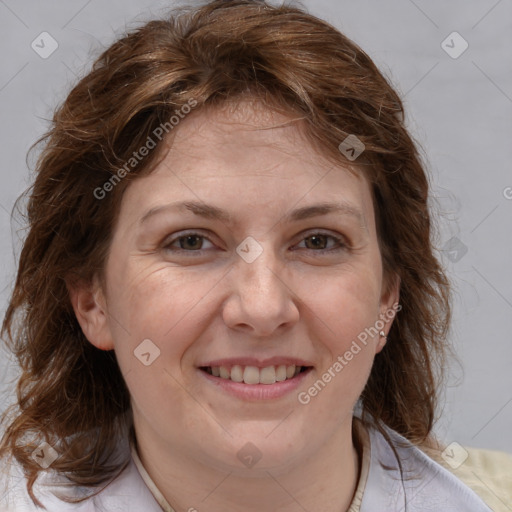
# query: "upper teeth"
(255, 375)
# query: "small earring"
(382, 334)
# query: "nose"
(261, 300)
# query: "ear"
(389, 307)
(89, 304)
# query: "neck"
(324, 481)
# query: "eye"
(187, 242)
(319, 242)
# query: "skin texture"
(293, 300)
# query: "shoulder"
(404, 475)
(126, 493)
(487, 472)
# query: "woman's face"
(226, 255)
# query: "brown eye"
(188, 242)
(193, 242)
(316, 241)
(321, 242)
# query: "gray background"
(459, 110)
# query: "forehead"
(233, 130)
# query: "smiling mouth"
(255, 375)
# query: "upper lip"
(253, 361)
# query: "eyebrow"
(213, 212)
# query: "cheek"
(164, 305)
(346, 303)
(343, 313)
(169, 308)
(342, 323)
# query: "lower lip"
(257, 392)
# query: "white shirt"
(426, 486)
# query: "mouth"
(254, 375)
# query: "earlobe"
(382, 341)
(90, 309)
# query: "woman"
(228, 298)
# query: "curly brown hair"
(72, 394)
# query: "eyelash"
(341, 244)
